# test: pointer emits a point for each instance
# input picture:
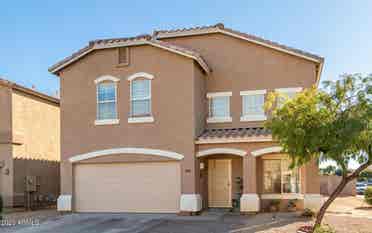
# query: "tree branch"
(355, 174)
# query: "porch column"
(249, 202)
(311, 184)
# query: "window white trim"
(140, 119)
(219, 119)
(268, 150)
(131, 78)
(98, 82)
(106, 78)
(140, 75)
(106, 122)
(289, 90)
(253, 92)
(253, 118)
(218, 94)
(282, 196)
(126, 150)
(214, 151)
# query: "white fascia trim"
(219, 94)
(140, 75)
(219, 119)
(289, 89)
(283, 196)
(106, 122)
(253, 118)
(106, 78)
(268, 150)
(140, 119)
(233, 140)
(253, 92)
(214, 151)
(126, 150)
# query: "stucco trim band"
(214, 151)
(126, 150)
(268, 150)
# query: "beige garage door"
(128, 187)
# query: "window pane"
(253, 104)
(140, 107)
(291, 178)
(140, 89)
(272, 176)
(284, 97)
(106, 92)
(219, 106)
(106, 111)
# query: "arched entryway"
(221, 177)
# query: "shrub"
(308, 213)
(324, 229)
(368, 195)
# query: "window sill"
(141, 119)
(282, 196)
(107, 122)
(253, 118)
(219, 119)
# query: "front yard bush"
(324, 229)
(368, 195)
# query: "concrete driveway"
(209, 222)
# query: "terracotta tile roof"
(221, 28)
(138, 40)
(29, 91)
(184, 50)
(234, 133)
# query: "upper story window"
(123, 56)
(140, 98)
(106, 100)
(278, 178)
(253, 105)
(287, 93)
(219, 107)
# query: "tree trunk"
(345, 180)
(329, 201)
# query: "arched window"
(140, 96)
(106, 100)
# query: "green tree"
(333, 124)
(329, 170)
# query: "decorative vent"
(123, 56)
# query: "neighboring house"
(29, 145)
(173, 122)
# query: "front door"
(219, 183)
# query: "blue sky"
(36, 34)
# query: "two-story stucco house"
(29, 145)
(173, 122)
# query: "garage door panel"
(127, 187)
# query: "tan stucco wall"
(36, 122)
(47, 173)
(329, 183)
(239, 65)
(6, 174)
(172, 108)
